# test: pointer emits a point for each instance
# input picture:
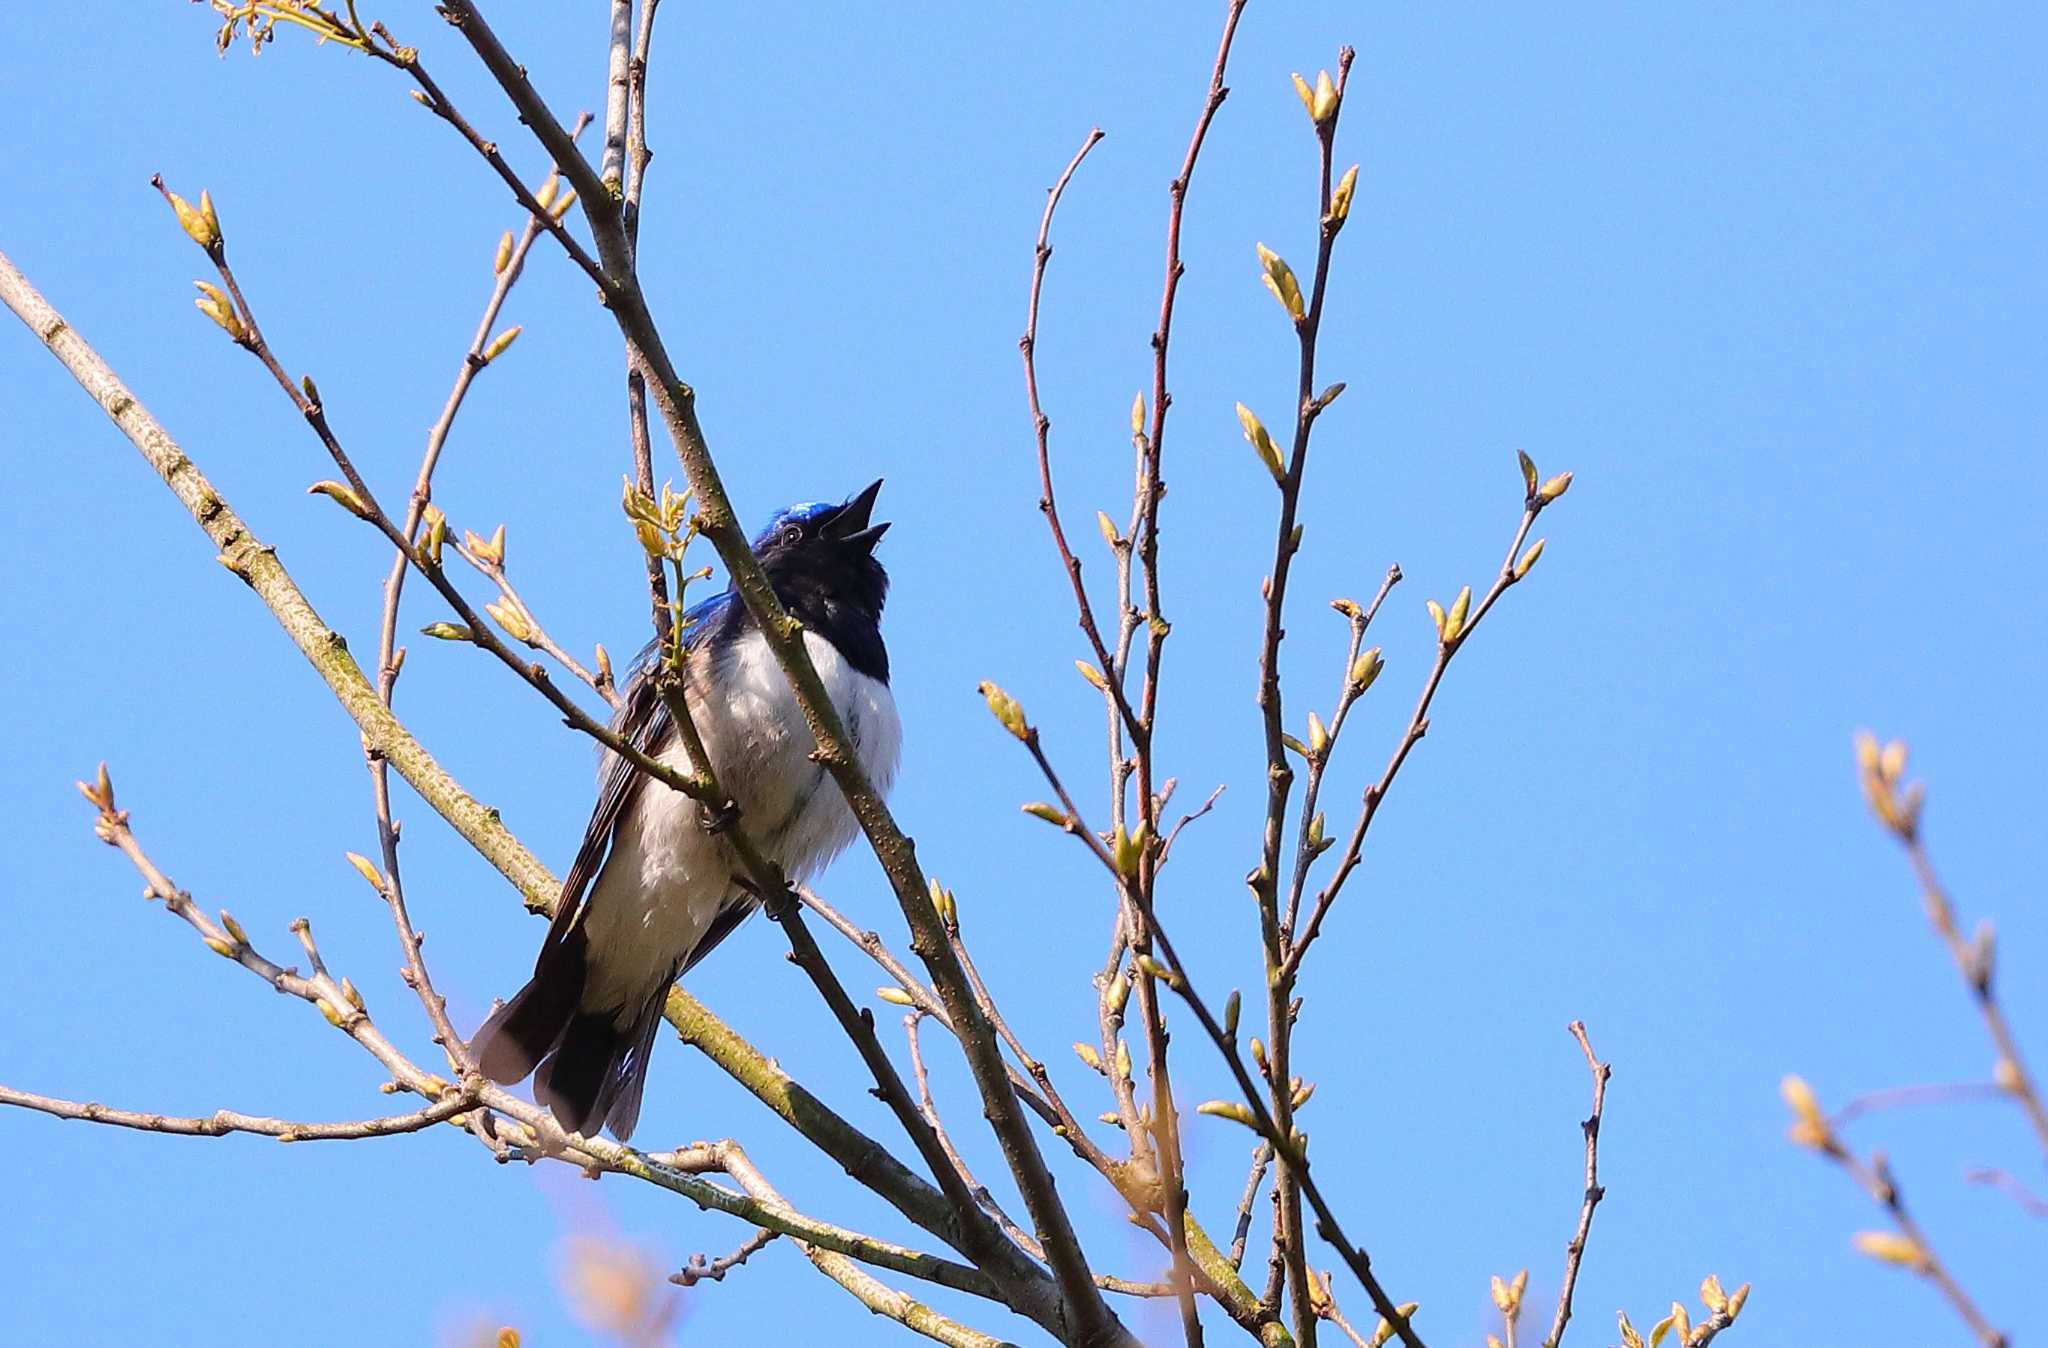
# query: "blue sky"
(1759, 274)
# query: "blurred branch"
(1897, 804)
(1907, 1246)
(1575, 1251)
(1877, 1180)
(2030, 1202)
(1895, 1097)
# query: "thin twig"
(1289, 1152)
(1280, 1004)
(2030, 1202)
(637, 157)
(511, 267)
(1894, 1097)
(1262, 1157)
(1151, 492)
(1575, 1251)
(1877, 1180)
(535, 634)
(1048, 502)
(700, 1268)
(1418, 726)
(1977, 970)
(224, 1121)
(982, 1196)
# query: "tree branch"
(224, 1121)
(1575, 1251)
(1091, 1321)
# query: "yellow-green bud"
(366, 869)
(1234, 1110)
(502, 342)
(1279, 278)
(1454, 621)
(1050, 813)
(1261, 442)
(341, 495)
(1340, 197)
(1005, 709)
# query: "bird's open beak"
(851, 525)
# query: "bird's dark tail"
(590, 1068)
(524, 1030)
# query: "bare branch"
(1262, 1157)
(224, 1121)
(1910, 1248)
(1280, 1008)
(2030, 1202)
(1575, 1251)
(1048, 502)
(1975, 962)
(617, 88)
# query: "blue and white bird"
(653, 888)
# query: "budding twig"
(1575, 1251)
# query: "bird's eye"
(792, 535)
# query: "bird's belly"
(667, 878)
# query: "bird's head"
(819, 552)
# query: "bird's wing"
(738, 907)
(643, 722)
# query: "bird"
(656, 885)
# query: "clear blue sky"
(1766, 277)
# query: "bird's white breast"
(666, 877)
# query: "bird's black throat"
(837, 593)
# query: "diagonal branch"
(1090, 1319)
(866, 1160)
